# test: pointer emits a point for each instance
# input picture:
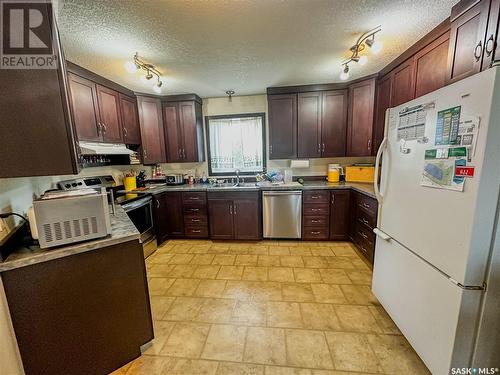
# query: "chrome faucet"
(237, 176)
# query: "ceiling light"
(377, 46)
(345, 73)
(363, 60)
(130, 67)
(157, 88)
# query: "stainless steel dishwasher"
(282, 210)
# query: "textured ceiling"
(210, 46)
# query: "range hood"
(93, 148)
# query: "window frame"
(262, 115)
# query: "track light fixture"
(138, 64)
(366, 39)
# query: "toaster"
(60, 218)
(174, 179)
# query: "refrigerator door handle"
(376, 188)
(381, 234)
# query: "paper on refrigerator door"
(412, 121)
(439, 168)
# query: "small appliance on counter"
(174, 179)
(334, 172)
(360, 173)
(64, 217)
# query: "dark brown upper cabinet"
(360, 119)
(183, 131)
(309, 125)
(96, 111)
(85, 108)
(130, 120)
(469, 24)
(151, 123)
(384, 93)
(333, 123)
(109, 114)
(491, 50)
(36, 132)
(282, 111)
(430, 66)
(322, 122)
(403, 83)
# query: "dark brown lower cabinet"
(168, 216)
(315, 215)
(235, 215)
(363, 219)
(339, 214)
(87, 313)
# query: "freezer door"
(435, 315)
(450, 229)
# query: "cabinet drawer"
(317, 196)
(367, 249)
(194, 198)
(367, 203)
(365, 233)
(195, 220)
(316, 210)
(196, 231)
(366, 217)
(195, 211)
(313, 233)
(315, 221)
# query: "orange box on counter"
(359, 173)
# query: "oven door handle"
(136, 204)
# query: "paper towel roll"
(299, 163)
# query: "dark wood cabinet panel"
(187, 116)
(174, 214)
(360, 124)
(130, 120)
(282, 126)
(430, 66)
(109, 114)
(334, 123)
(363, 218)
(150, 117)
(339, 214)
(467, 38)
(309, 125)
(384, 93)
(491, 50)
(173, 137)
(85, 108)
(403, 83)
(221, 219)
(247, 218)
(160, 217)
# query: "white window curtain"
(236, 143)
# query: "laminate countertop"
(122, 230)
(364, 188)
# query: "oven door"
(140, 212)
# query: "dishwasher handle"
(279, 192)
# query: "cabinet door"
(403, 83)
(187, 117)
(360, 125)
(130, 120)
(467, 37)
(160, 217)
(109, 114)
(339, 214)
(221, 219)
(309, 125)
(153, 147)
(491, 50)
(430, 66)
(384, 90)
(333, 123)
(173, 136)
(85, 109)
(282, 126)
(174, 215)
(247, 219)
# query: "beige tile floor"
(270, 308)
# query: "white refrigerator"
(437, 258)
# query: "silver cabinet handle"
(323, 148)
(315, 232)
(315, 209)
(144, 154)
(230, 209)
(183, 153)
(179, 153)
(195, 220)
(478, 50)
(369, 144)
(490, 45)
(234, 208)
(194, 198)
(362, 234)
(104, 128)
(365, 205)
(125, 132)
(315, 221)
(333, 199)
(314, 197)
(196, 231)
(99, 128)
(157, 204)
(364, 221)
(319, 148)
(194, 209)
(270, 149)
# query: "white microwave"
(60, 218)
